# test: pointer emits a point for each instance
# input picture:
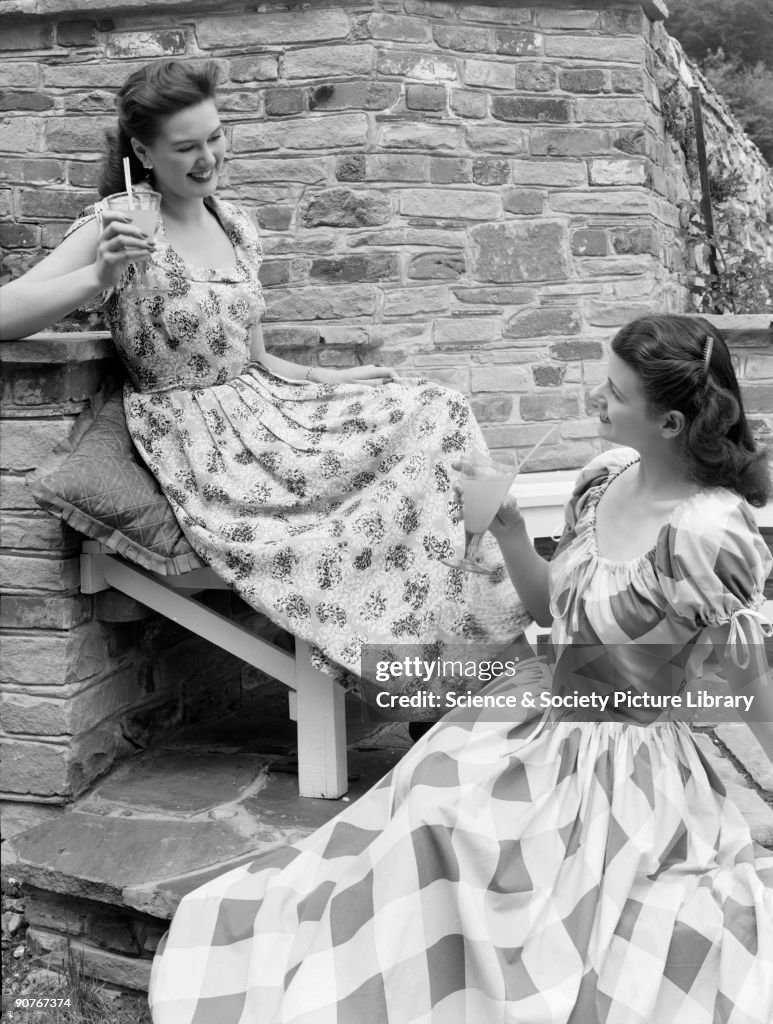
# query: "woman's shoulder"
(603, 467)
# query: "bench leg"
(320, 715)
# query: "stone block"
(37, 532)
(489, 74)
(321, 61)
(77, 135)
(362, 95)
(571, 350)
(492, 408)
(567, 19)
(163, 42)
(635, 240)
(33, 172)
(626, 80)
(412, 301)
(10, 100)
(419, 135)
(548, 376)
(543, 322)
(611, 110)
(500, 378)
(337, 303)
(396, 167)
(274, 218)
(437, 266)
(18, 75)
(281, 102)
(485, 138)
(551, 173)
(341, 207)
(19, 236)
(83, 174)
(495, 296)
(520, 251)
(19, 573)
(261, 169)
(423, 67)
(35, 611)
(618, 171)
(398, 28)
(54, 659)
(258, 68)
(27, 35)
(490, 172)
(570, 142)
(582, 79)
(532, 109)
(109, 967)
(22, 134)
(468, 104)
(466, 330)
(274, 272)
(616, 314)
(594, 47)
(426, 97)
(589, 242)
(30, 767)
(271, 28)
(518, 43)
(498, 14)
(332, 131)
(351, 167)
(535, 77)
(379, 267)
(450, 170)
(603, 203)
(25, 442)
(463, 38)
(523, 201)
(76, 33)
(624, 22)
(443, 204)
(549, 406)
(757, 397)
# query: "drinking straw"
(128, 179)
(537, 447)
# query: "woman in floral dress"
(322, 496)
(579, 869)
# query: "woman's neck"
(182, 210)
(662, 477)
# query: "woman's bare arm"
(83, 265)
(320, 375)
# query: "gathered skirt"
(503, 873)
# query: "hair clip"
(708, 348)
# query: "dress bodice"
(198, 331)
(640, 624)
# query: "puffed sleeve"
(712, 564)
(591, 476)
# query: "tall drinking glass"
(144, 208)
(485, 481)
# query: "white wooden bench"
(316, 701)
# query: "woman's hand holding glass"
(120, 242)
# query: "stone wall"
(83, 680)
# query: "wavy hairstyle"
(148, 96)
(719, 449)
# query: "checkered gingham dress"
(532, 872)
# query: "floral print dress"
(326, 506)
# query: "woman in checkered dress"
(584, 867)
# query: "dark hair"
(148, 96)
(668, 353)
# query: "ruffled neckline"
(591, 526)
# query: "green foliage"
(748, 92)
(742, 28)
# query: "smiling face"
(625, 416)
(187, 154)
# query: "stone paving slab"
(758, 815)
(744, 745)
